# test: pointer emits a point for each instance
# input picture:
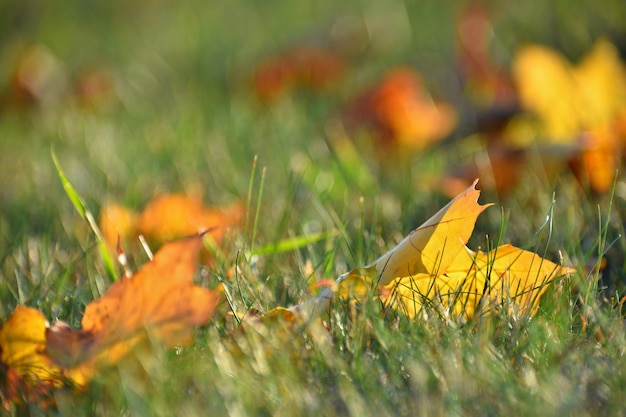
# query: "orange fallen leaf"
(117, 223)
(308, 66)
(598, 161)
(160, 300)
(402, 112)
(168, 217)
(159, 304)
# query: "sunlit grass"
(317, 207)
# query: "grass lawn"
(158, 97)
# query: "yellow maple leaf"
(579, 105)
(546, 87)
(504, 276)
(432, 247)
(601, 85)
(432, 266)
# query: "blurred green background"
(175, 105)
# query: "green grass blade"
(69, 188)
(82, 210)
(287, 245)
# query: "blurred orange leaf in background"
(168, 217)
(486, 84)
(304, 66)
(401, 111)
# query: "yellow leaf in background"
(547, 87)
(571, 99)
(601, 84)
(478, 280)
(432, 247)
(580, 105)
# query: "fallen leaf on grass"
(402, 112)
(117, 223)
(432, 247)
(168, 217)
(478, 280)
(171, 216)
(582, 104)
(159, 304)
(432, 266)
(574, 115)
(305, 66)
